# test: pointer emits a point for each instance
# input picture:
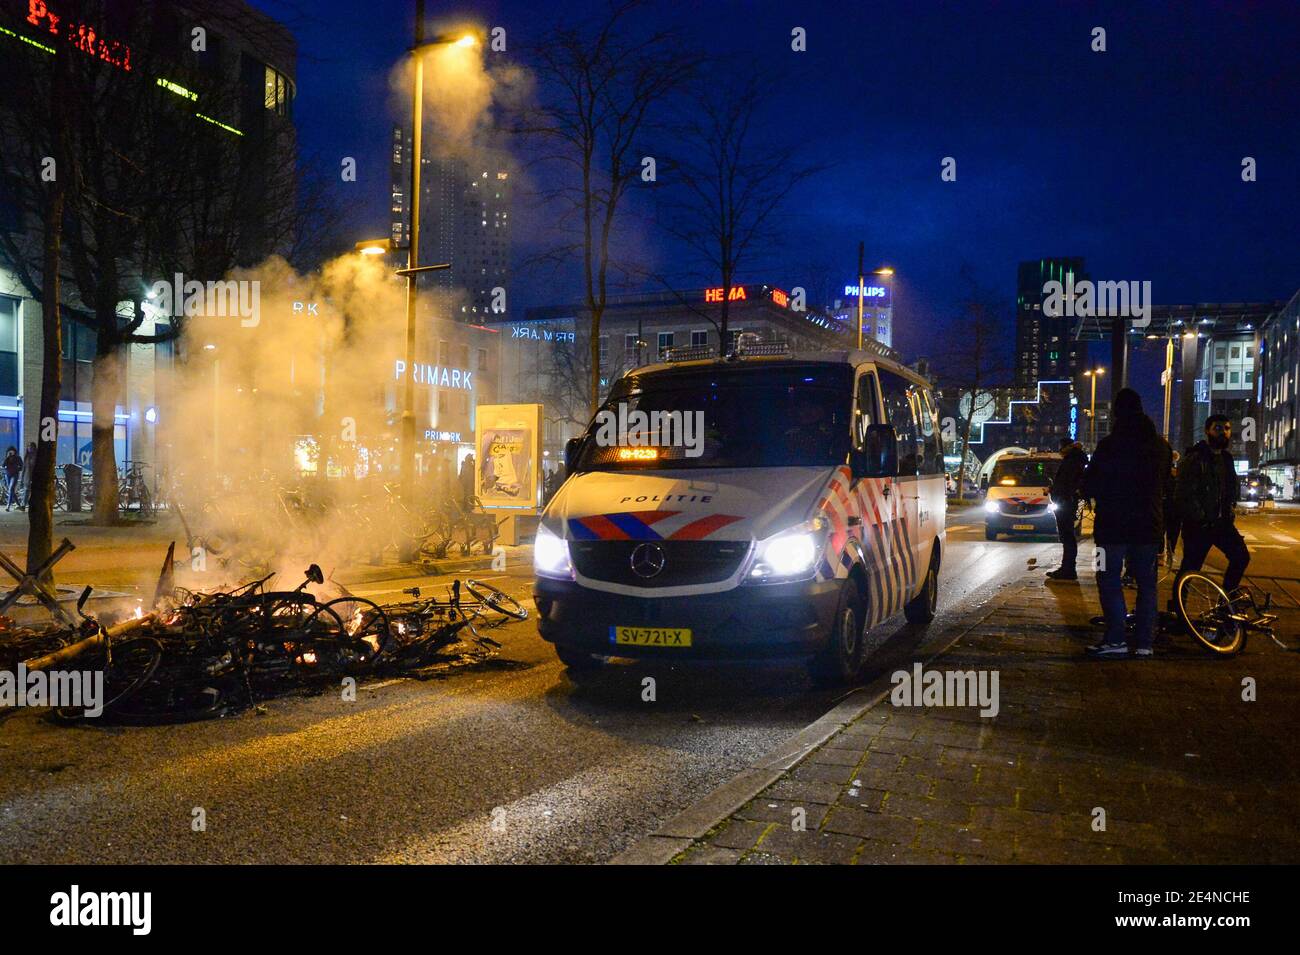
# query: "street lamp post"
(1094, 374)
(413, 268)
(407, 441)
(862, 289)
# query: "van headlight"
(990, 507)
(551, 555)
(790, 555)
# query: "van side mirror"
(878, 456)
(572, 448)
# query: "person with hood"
(1128, 480)
(13, 465)
(1065, 496)
(1207, 495)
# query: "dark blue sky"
(1130, 158)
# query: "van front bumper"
(1043, 522)
(770, 621)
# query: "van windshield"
(751, 417)
(1022, 473)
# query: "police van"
(1017, 500)
(808, 508)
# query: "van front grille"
(684, 562)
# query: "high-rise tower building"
(464, 220)
(1045, 345)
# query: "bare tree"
(732, 184)
(601, 92)
(975, 362)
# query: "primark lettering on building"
(436, 375)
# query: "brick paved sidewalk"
(1185, 770)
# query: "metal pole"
(412, 260)
(1092, 413)
(862, 281)
(216, 416)
(1169, 380)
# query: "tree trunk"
(965, 451)
(106, 387)
(724, 319)
(595, 360)
(40, 507)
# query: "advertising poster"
(508, 451)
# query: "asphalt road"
(510, 761)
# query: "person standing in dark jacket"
(1128, 480)
(1065, 497)
(13, 467)
(1207, 495)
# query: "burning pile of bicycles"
(206, 654)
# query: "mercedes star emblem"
(647, 560)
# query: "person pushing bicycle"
(1206, 493)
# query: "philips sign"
(877, 295)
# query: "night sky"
(1130, 158)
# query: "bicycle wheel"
(1206, 612)
(498, 600)
(364, 621)
(130, 665)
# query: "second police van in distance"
(1018, 500)
(812, 511)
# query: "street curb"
(693, 823)
(369, 574)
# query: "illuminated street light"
(1094, 374)
(374, 246)
(413, 267)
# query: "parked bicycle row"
(262, 521)
(75, 485)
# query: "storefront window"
(9, 317)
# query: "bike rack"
(33, 585)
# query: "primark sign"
(542, 334)
(436, 376)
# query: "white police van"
(1018, 500)
(812, 508)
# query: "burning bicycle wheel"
(365, 622)
(498, 600)
(1207, 613)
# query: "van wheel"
(841, 661)
(921, 608)
(990, 534)
(576, 659)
